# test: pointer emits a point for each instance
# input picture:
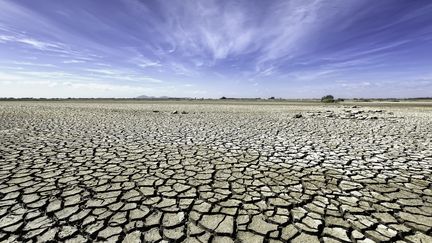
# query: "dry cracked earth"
(222, 172)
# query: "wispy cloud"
(103, 71)
(64, 89)
(122, 75)
(73, 61)
(34, 43)
(149, 64)
(33, 64)
(143, 62)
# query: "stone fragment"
(336, 232)
(249, 237)
(152, 235)
(109, 232)
(260, 226)
(303, 237)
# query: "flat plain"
(215, 171)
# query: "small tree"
(223, 98)
(328, 99)
(272, 98)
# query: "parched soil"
(138, 171)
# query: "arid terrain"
(82, 171)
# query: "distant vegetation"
(365, 100)
(328, 99)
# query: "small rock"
(174, 112)
(298, 116)
(184, 112)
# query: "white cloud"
(181, 69)
(149, 64)
(121, 75)
(69, 89)
(45, 74)
(34, 43)
(62, 84)
(311, 75)
(103, 71)
(145, 62)
(33, 64)
(41, 45)
(5, 38)
(207, 27)
(73, 61)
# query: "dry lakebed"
(215, 171)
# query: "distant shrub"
(340, 100)
(364, 100)
(223, 98)
(328, 99)
(272, 98)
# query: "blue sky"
(250, 48)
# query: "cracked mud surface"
(131, 172)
